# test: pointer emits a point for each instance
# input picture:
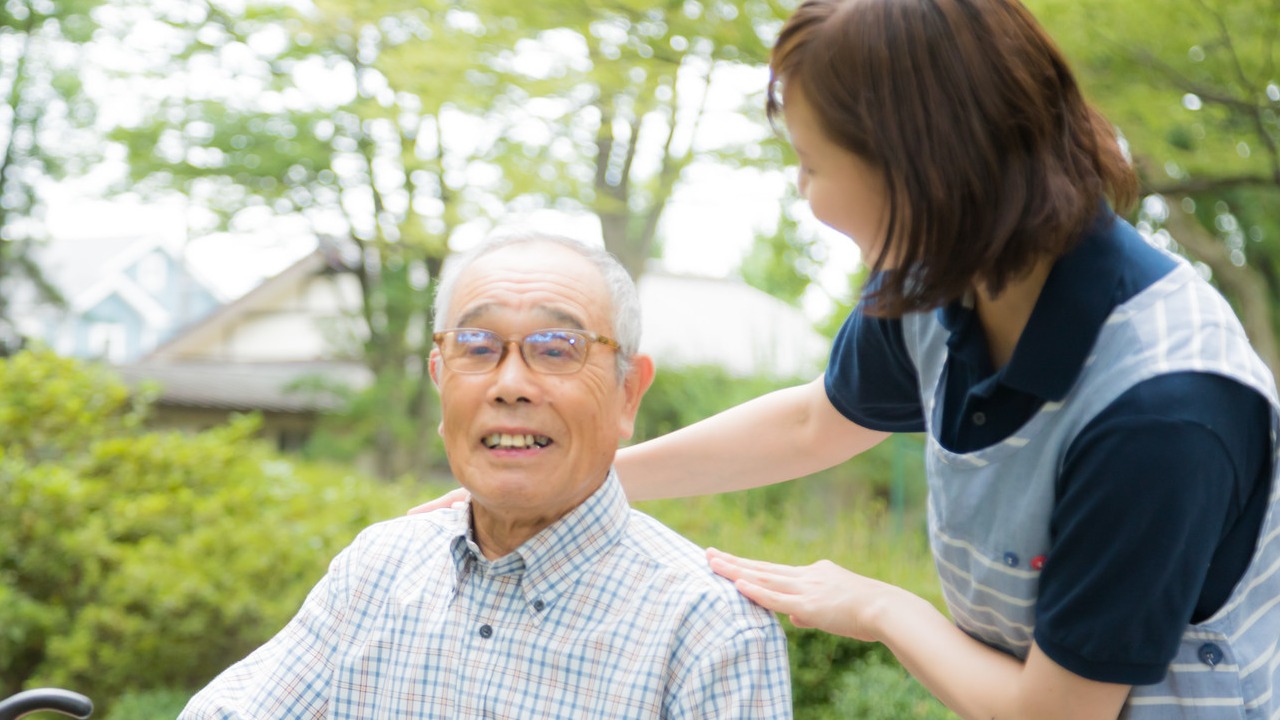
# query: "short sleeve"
(871, 378)
(1155, 508)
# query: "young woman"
(1102, 509)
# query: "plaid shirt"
(605, 614)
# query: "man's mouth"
(498, 441)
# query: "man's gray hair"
(624, 297)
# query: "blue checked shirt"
(607, 613)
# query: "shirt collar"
(1078, 295)
(552, 560)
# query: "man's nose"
(513, 379)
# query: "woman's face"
(843, 190)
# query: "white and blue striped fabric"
(605, 614)
(989, 510)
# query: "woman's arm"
(972, 679)
(783, 435)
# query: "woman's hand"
(822, 595)
(449, 499)
(973, 679)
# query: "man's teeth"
(504, 440)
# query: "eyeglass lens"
(546, 351)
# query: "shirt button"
(1037, 562)
(1210, 654)
(1011, 559)
(486, 632)
(539, 605)
(979, 419)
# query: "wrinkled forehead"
(540, 283)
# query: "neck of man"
(1005, 316)
(500, 530)
(498, 536)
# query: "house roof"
(265, 294)
(271, 387)
(187, 379)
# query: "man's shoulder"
(679, 567)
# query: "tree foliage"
(782, 263)
(41, 50)
(613, 99)
(1194, 87)
(392, 124)
(359, 117)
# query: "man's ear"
(433, 366)
(639, 378)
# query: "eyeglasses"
(551, 351)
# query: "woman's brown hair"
(991, 156)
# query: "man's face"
(576, 420)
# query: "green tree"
(616, 113)
(41, 50)
(1194, 87)
(782, 263)
(391, 124)
(362, 118)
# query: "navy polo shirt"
(1161, 496)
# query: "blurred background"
(221, 222)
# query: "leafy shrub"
(163, 704)
(877, 688)
(135, 560)
(819, 661)
(680, 397)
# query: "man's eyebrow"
(469, 316)
(558, 317)
(563, 318)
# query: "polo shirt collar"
(1078, 295)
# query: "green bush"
(134, 560)
(680, 397)
(891, 474)
(818, 661)
(164, 704)
(876, 688)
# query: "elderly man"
(545, 595)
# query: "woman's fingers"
(777, 578)
(751, 565)
(822, 595)
(779, 602)
(449, 499)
